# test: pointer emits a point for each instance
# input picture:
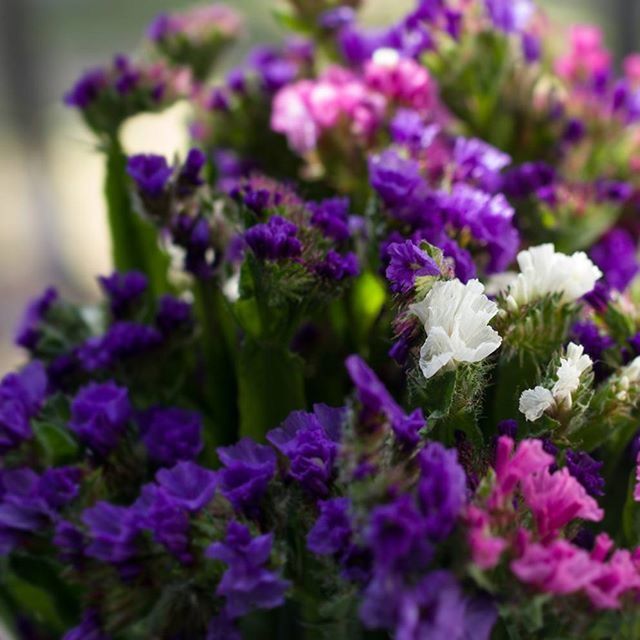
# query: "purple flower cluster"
(407, 261)
(150, 172)
(616, 255)
(29, 328)
(274, 240)
(586, 471)
(123, 290)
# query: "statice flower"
(537, 401)
(408, 128)
(586, 471)
(310, 442)
(407, 262)
(123, 290)
(616, 254)
(249, 467)
(173, 314)
(543, 271)
(456, 320)
(338, 267)
(331, 216)
(332, 531)
(190, 486)
(29, 329)
(90, 628)
(394, 178)
(171, 435)
(150, 172)
(274, 240)
(247, 584)
(479, 161)
(112, 531)
(510, 15)
(99, 415)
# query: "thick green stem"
(134, 241)
(271, 385)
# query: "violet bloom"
(21, 396)
(586, 471)
(60, 485)
(190, 176)
(479, 161)
(274, 240)
(70, 542)
(331, 533)
(510, 16)
(222, 628)
(171, 435)
(89, 628)
(271, 67)
(30, 327)
(615, 254)
(123, 339)
(407, 262)
(249, 467)
(150, 172)
(247, 584)
(86, 89)
(192, 487)
(527, 179)
(173, 315)
(331, 216)
(112, 532)
(99, 415)
(337, 17)
(123, 290)
(310, 441)
(408, 128)
(337, 267)
(393, 177)
(442, 490)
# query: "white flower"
(456, 319)
(544, 271)
(534, 402)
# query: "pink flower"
(486, 549)
(559, 567)
(636, 493)
(292, 116)
(557, 498)
(632, 68)
(587, 55)
(616, 577)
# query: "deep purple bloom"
(29, 329)
(190, 176)
(194, 235)
(274, 240)
(599, 298)
(112, 532)
(99, 415)
(249, 467)
(272, 69)
(60, 485)
(247, 584)
(150, 172)
(594, 342)
(574, 131)
(222, 628)
(337, 267)
(173, 314)
(70, 542)
(376, 401)
(586, 471)
(615, 254)
(531, 47)
(408, 127)
(441, 490)
(337, 17)
(508, 428)
(477, 160)
(123, 290)
(86, 89)
(510, 16)
(464, 266)
(89, 628)
(613, 190)
(123, 339)
(331, 216)
(192, 487)
(21, 396)
(526, 179)
(393, 177)
(332, 531)
(171, 435)
(408, 261)
(310, 446)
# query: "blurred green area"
(52, 218)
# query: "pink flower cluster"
(198, 23)
(587, 58)
(541, 557)
(306, 109)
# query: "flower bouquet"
(369, 363)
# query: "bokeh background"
(52, 220)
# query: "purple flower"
(173, 314)
(272, 69)
(441, 490)
(150, 172)
(525, 180)
(331, 216)
(89, 628)
(274, 240)
(393, 177)
(337, 17)
(331, 533)
(87, 88)
(615, 254)
(194, 235)
(376, 401)
(510, 16)
(247, 584)
(249, 467)
(29, 329)
(60, 485)
(464, 266)
(190, 176)
(99, 415)
(222, 628)
(21, 396)
(310, 446)
(586, 471)
(112, 532)
(171, 435)
(408, 127)
(408, 261)
(508, 428)
(613, 191)
(123, 290)
(337, 267)
(70, 543)
(192, 487)
(477, 160)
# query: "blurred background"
(52, 220)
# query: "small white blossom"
(456, 319)
(535, 402)
(544, 271)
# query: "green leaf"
(367, 300)
(58, 444)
